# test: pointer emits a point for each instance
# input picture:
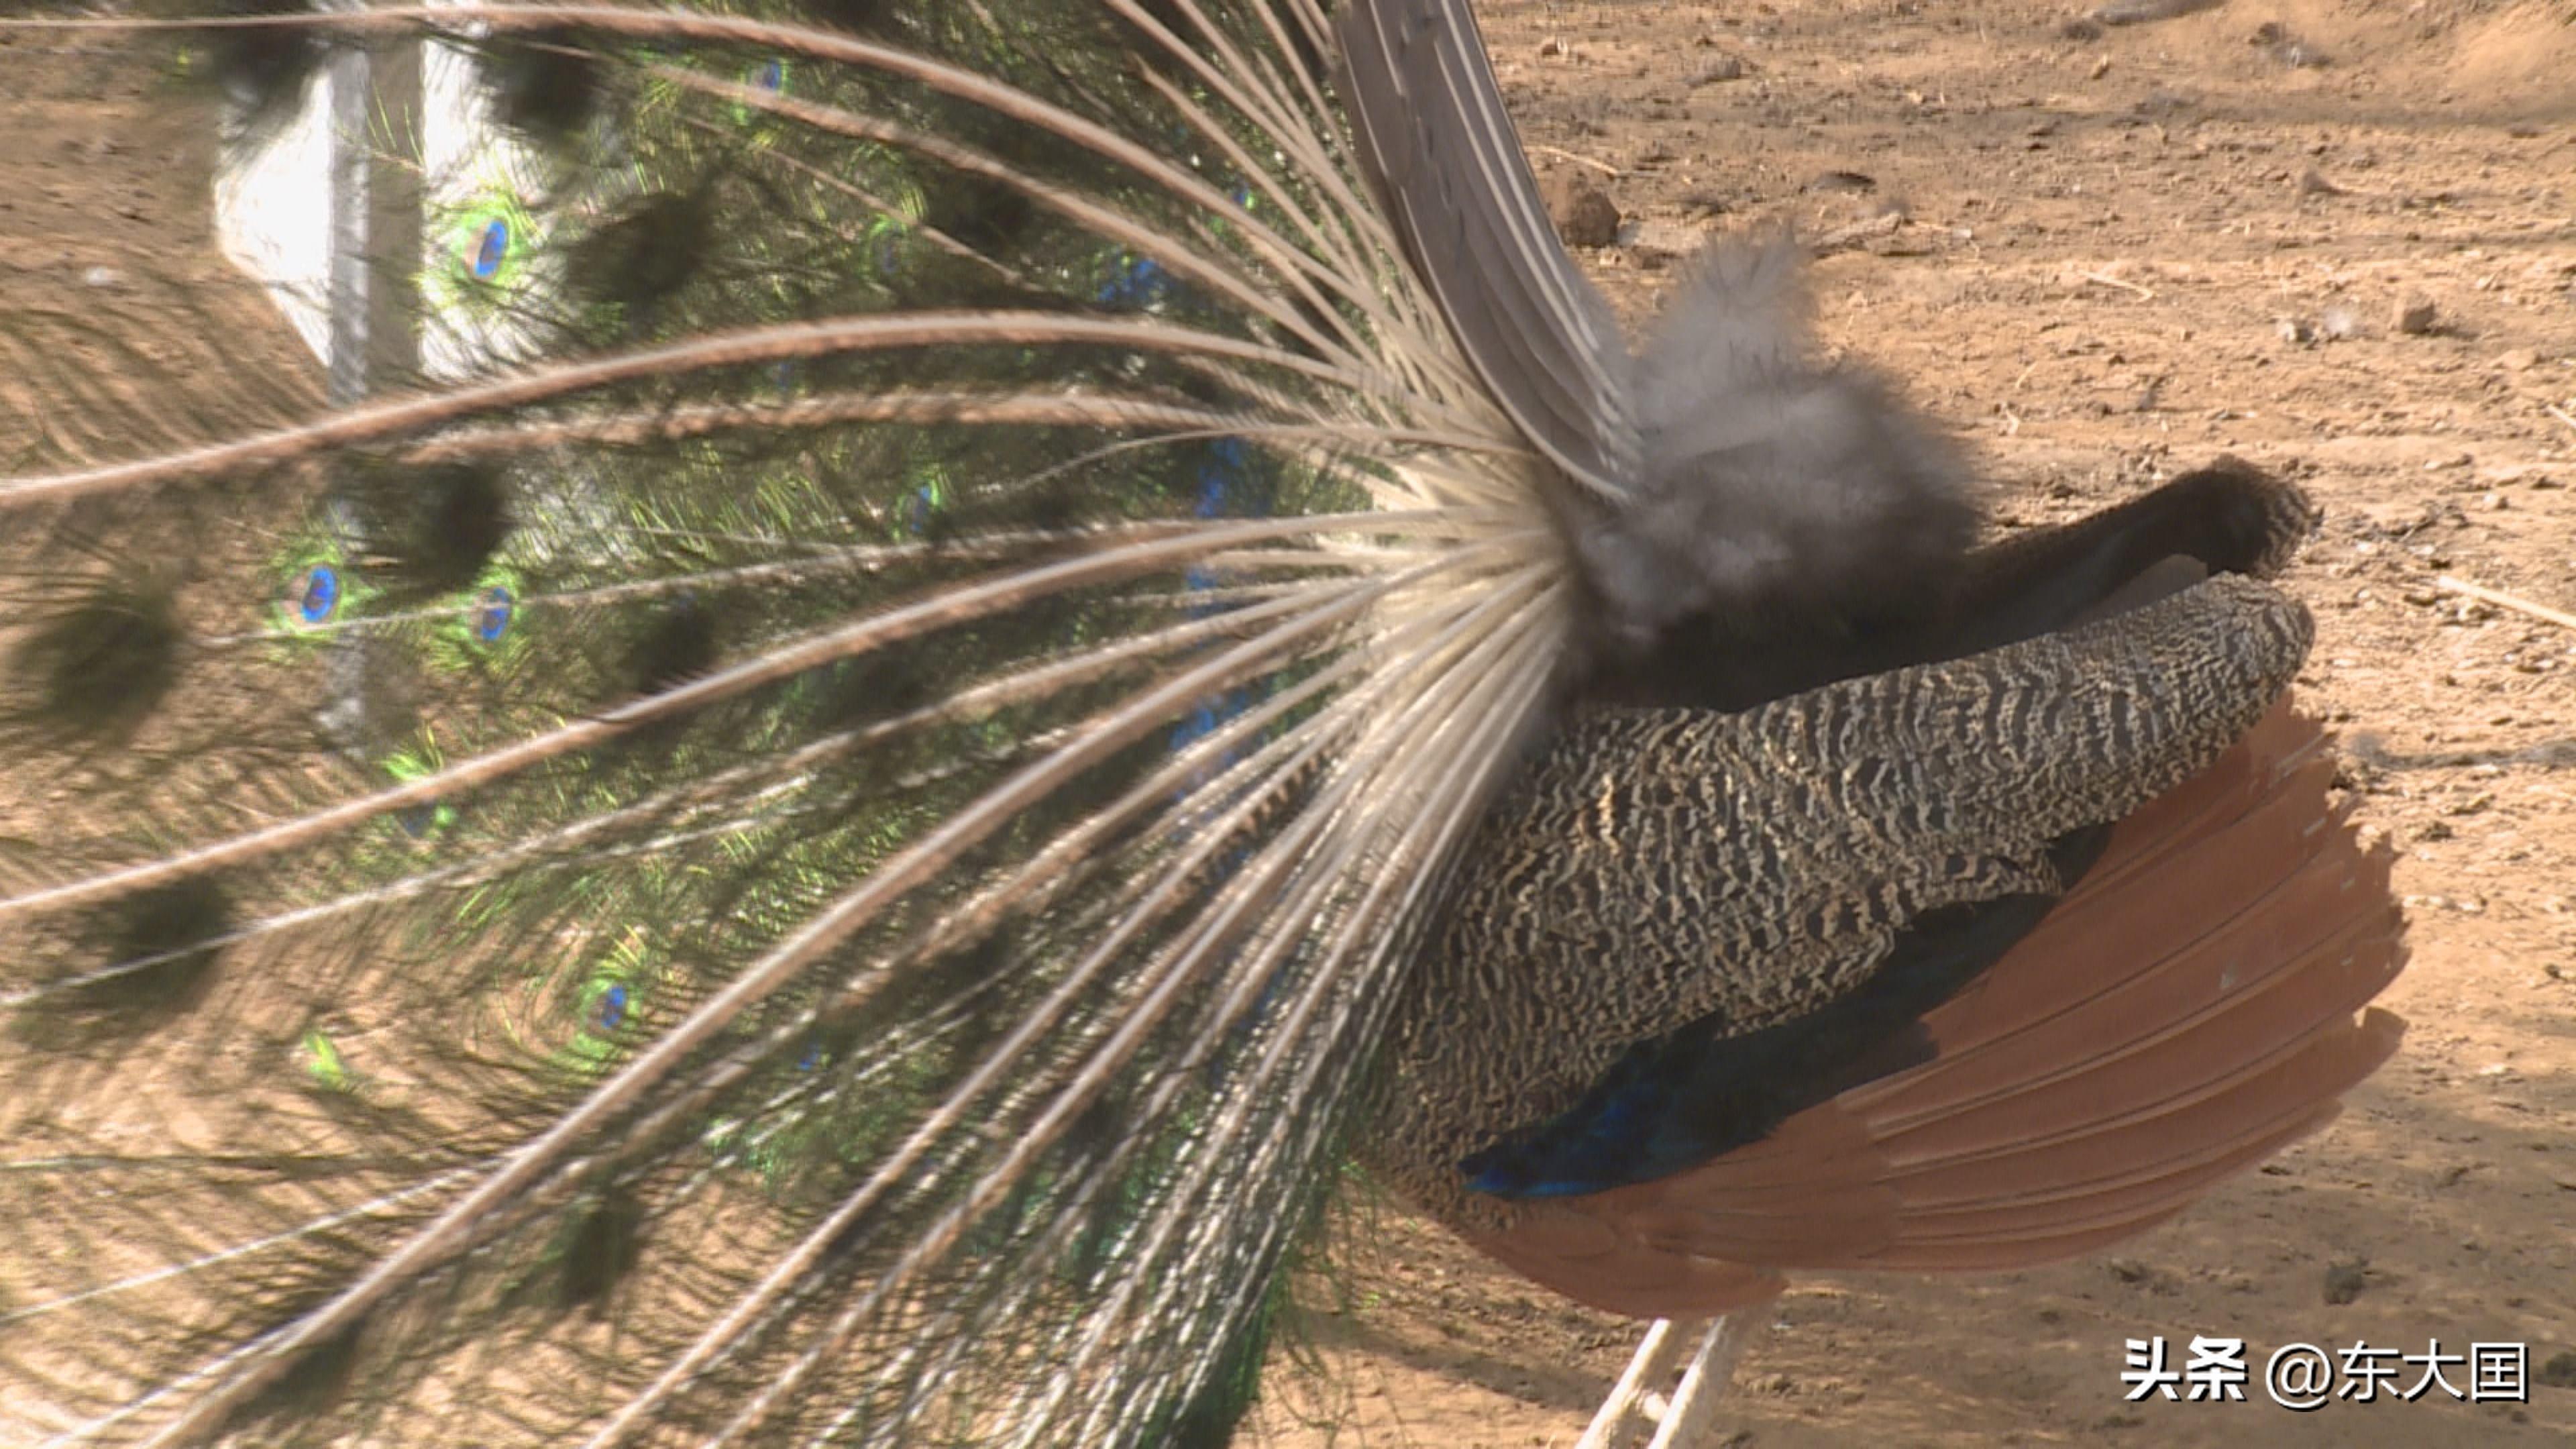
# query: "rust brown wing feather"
(2186, 1011)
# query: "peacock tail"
(936, 661)
(759, 865)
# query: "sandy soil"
(2101, 258)
(121, 327)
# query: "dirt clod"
(1584, 214)
(2559, 1372)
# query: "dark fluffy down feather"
(1773, 485)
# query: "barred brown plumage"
(975, 681)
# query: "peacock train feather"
(937, 655)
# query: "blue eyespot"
(416, 821)
(492, 614)
(492, 250)
(1143, 284)
(315, 595)
(1223, 468)
(773, 76)
(612, 1007)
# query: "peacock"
(940, 663)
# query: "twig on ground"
(1560, 153)
(2145, 293)
(2503, 600)
(1883, 224)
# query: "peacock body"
(940, 655)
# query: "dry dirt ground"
(2099, 258)
(121, 327)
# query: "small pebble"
(2416, 316)
(1843, 181)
